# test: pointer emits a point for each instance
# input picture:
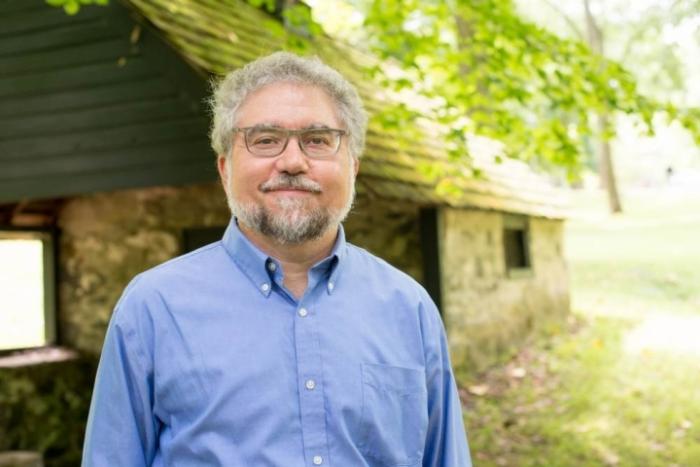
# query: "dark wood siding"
(94, 102)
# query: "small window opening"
(516, 244)
(27, 301)
(199, 237)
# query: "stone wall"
(487, 313)
(108, 238)
(390, 230)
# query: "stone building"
(103, 146)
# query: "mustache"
(290, 182)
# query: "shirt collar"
(255, 264)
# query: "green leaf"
(71, 7)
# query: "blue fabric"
(210, 361)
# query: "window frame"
(48, 236)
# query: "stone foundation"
(44, 408)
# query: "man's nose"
(292, 160)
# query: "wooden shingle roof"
(217, 36)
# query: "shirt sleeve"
(446, 441)
(121, 428)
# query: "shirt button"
(310, 384)
(265, 287)
(303, 312)
(318, 460)
(330, 286)
(271, 266)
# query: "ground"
(619, 383)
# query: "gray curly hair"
(230, 93)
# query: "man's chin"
(288, 225)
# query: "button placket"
(311, 397)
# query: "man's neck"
(296, 259)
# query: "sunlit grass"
(643, 261)
(21, 293)
(620, 387)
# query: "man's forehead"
(289, 105)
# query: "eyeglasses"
(316, 143)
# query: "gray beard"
(295, 223)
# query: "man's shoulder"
(186, 265)
(177, 273)
(374, 278)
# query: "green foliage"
(44, 408)
(514, 81)
(690, 118)
(269, 5)
(72, 7)
(297, 25)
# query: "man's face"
(290, 198)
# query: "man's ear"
(356, 165)
(221, 165)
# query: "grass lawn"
(622, 385)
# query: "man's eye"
(266, 140)
(317, 140)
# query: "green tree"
(636, 36)
(515, 81)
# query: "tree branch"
(570, 22)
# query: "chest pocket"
(394, 417)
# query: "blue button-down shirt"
(210, 361)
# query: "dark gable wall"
(94, 102)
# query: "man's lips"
(286, 183)
(290, 191)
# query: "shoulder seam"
(177, 259)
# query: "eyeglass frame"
(288, 134)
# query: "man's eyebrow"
(317, 126)
(264, 126)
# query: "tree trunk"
(606, 169)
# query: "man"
(281, 345)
